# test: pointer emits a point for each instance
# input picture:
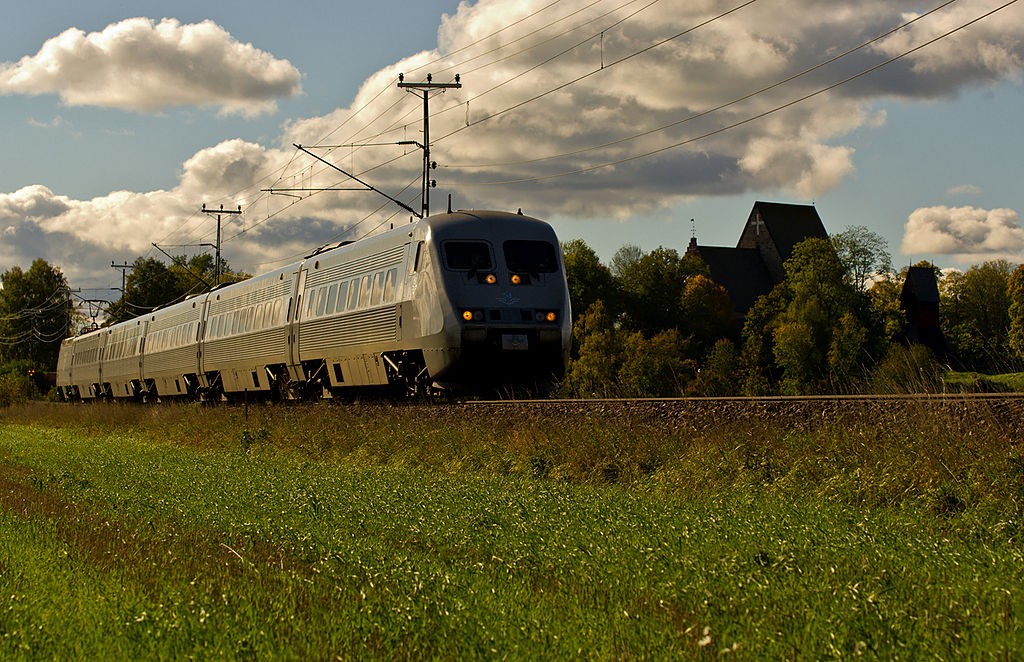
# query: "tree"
(625, 258)
(152, 284)
(594, 373)
(1015, 293)
(822, 331)
(615, 362)
(757, 362)
(707, 315)
(976, 308)
(811, 332)
(149, 285)
(35, 314)
(718, 375)
(589, 280)
(652, 288)
(864, 255)
(654, 367)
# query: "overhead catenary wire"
(748, 119)
(714, 109)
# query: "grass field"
(374, 532)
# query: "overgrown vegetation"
(374, 532)
(655, 324)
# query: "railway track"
(983, 410)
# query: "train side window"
(467, 255)
(353, 294)
(529, 256)
(377, 293)
(342, 296)
(389, 285)
(332, 293)
(321, 301)
(364, 292)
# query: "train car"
(466, 302)
(63, 375)
(171, 357)
(122, 359)
(246, 340)
(500, 301)
(86, 374)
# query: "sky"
(619, 121)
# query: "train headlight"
(551, 317)
(467, 315)
(516, 279)
(490, 279)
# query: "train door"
(293, 326)
(200, 342)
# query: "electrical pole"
(217, 215)
(424, 89)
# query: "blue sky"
(117, 131)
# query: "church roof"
(789, 224)
(740, 271)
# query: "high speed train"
(465, 301)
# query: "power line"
(749, 119)
(709, 111)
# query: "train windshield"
(533, 257)
(467, 255)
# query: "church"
(755, 265)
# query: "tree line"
(653, 324)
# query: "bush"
(14, 389)
(907, 370)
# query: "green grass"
(170, 532)
(1012, 382)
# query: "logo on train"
(506, 299)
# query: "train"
(465, 302)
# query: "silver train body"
(467, 301)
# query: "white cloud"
(965, 232)
(493, 158)
(141, 65)
(964, 189)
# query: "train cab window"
(530, 257)
(467, 255)
(416, 262)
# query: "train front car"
(504, 299)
